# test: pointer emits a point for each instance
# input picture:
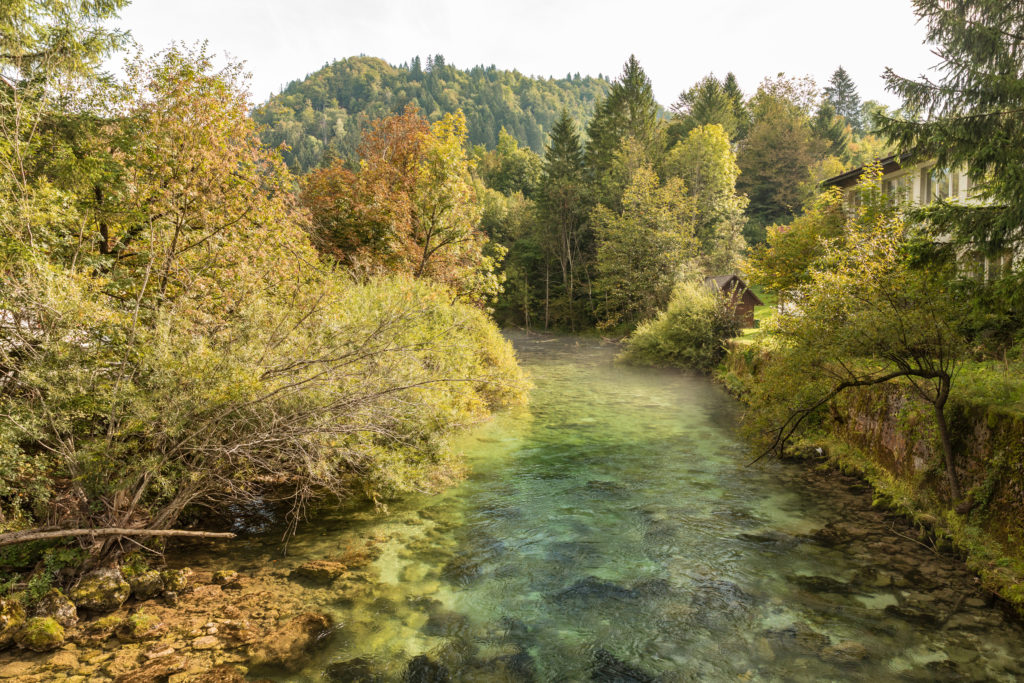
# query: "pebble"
(205, 643)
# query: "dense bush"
(171, 341)
(689, 333)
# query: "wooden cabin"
(742, 299)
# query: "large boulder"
(101, 590)
(288, 645)
(57, 606)
(12, 616)
(146, 585)
(40, 634)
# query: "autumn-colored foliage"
(411, 207)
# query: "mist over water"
(613, 530)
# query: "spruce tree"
(705, 103)
(562, 211)
(630, 110)
(841, 93)
(970, 119)
(831, 127)
(739, 106)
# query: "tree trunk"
(947, 444)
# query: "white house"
(923, 183)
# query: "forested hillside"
(328, 111)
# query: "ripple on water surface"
(613, 531)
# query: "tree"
(706, 163)
(707, 102)
(511, 168)
(865, 317)
(412, 206)
(740, 111)
(642, 249)
(969, 119)
(778, 153)
(832, 128)
(629, 111)
(562, 213)
(841, 93)
(180, 343)
(784, 262)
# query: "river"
(613, 530)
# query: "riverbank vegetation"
(172, 343)
(894, 315)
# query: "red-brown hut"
(741, 298)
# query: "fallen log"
(27, 535)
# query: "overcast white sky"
(676, 42)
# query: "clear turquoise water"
(618, 513)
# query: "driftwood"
(13, 537)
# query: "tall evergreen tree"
(562, 214)
(832, 128)
(841, 93)
(739, 105)
(707, 102)
(970, 118)
(630, 110)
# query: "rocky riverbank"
(181, 624)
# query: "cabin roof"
(722, 283)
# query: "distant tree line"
(325, 115)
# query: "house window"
(938, 184)
(897, 189)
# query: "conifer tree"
(630, 110)
(563, 211)
(841, 93)
(707, 102)
(970, 118)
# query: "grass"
(761, 313)
(992, 382)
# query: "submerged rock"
(147, 585)
(40, 634)
(224, 576)
(57, 606)
(319, 571)
(798, 637)
(287, 646)
(608, 668)
(422, 669)
(717, 601)
(12, 616)
(845, 652)
(821, 584)
(139, 626)
(445, 623)
(593, 588)
(358, 670)
(101, 590)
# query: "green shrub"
(688, 334)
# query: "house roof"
(723, 283)
(889, 164)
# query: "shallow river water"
(614, 531)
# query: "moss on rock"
(40, 634)
(101, 590)
(57, 606)
(12, 616)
